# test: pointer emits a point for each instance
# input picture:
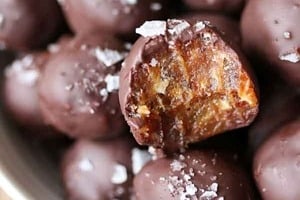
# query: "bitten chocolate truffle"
(78, 89)
(20, 89)
(270, 30)
(119, 16)
(97, 170)
(224, 6)
(277, 164)
(201, 174)
(182, 83)
(27, 24)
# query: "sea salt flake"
(287, 35)
(292, 57)
(191, 189)
(53, 48)
(112, 82)
(177, 165)
(155, 6)
(199, 26)
(152, 28)
(208, 195)
(153, 62)
(175, 26)
(86, 165)
(108, 56)
(120, 174)
(129, 2)
(213, 187)
(139, 158)
(24, 71)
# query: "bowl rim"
(9, 187)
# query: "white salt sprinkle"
(152, 28)
(108, 56)
(120, 174)
(199, 26)
(287, 35)
(86, 165)
(177, 26)
(112, 82)
(292, 57)
(177, 165)
(155, 6)
(139, 158)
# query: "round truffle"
(78, 88)
(277, 164)
(279, 105)
(182, 83)
(27, 24)
(20, 89)
(224, 6)
(118, 16)
(201, 174)
(98, 170)
(270, 31)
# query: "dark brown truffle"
(27, 24)
(20, 89)
(270, 30)
(78, 89)
(279, 105)
(97, 170)
(201, 174)
(118, 16)
(277, 164)
(181, 83)
(225, 6)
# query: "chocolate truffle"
(279, 105)
(224, 6)
(20, 89)
(118, 16)
(97, 170)
(78, 88)
(270, 30)
(26, 24)
(277, 164)
(201, 174)
(181, 83)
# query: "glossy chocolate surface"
(27, 24)
(79, 88)
(277, 164)
(198, 174)
(270, 31)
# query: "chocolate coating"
(227, 26)
(270, 30)
(169, 97)
(201, 174)
(79, 88)
(119, 16)
(27, 24)
(279, 105)
(97, 170)
(20, 89)
(277, 164)
(225, 6)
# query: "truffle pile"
(161, 99)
